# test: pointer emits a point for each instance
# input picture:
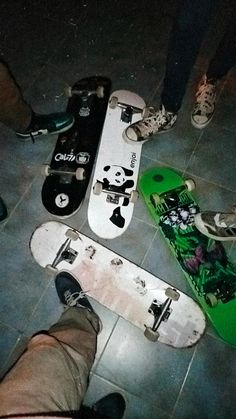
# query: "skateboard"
(68, 175)
(204, 261)
(113, 191)
(160, 310)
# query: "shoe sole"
(204, 231)
(147, 140)
(200, 126)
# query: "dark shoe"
(3, 210)
(111, 406)
(70, 292)
(53, 123)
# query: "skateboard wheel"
(145, 112)
(97, 189)
(68, 91)
(72, 234)
(80, 173)
(172, 294)
(190, 184)
(45, 170)
(156, 198)
(113, 102)
(50, 270)
(151, 335)
(211, 299)
(100, 92)
(133, 196)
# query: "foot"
(154, 123)
(217, 225)
(70, 292)
(204, 106)
(47, 124)
(3, 210)
(111, 406)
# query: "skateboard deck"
(68, 174)
(113, 191)
(149, 303)
(204, 261)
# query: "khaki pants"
(14, 111)
(52, 374)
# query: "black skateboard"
(68, 174)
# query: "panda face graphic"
(116, 176)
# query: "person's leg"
(187, 33)
(52, 374)
(3, 210)
(14, 111)
(206, 95)
(18, 115)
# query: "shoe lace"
(206, 94)
(155, 118)
(72, 298)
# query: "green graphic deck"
(204, 261)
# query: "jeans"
(188, 30)
(52, 374)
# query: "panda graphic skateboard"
(68, 174)
(159, 310)
(204, 261)
(113, 191)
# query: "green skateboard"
(204, 261)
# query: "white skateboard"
(161, 311)
(113, 192)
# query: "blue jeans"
(189, 28)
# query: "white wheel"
(145, 112)
(97, 189)
(50, 270)
(133, 196)
(113, 102)
(45, 170)
(173, 294)
(211, 299)
(72, 234)
(151, 335)
(100, 92)
(68, 91)
(80, 173)
(190, 184)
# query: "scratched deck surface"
(117, 168)
(118, 284)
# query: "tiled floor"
(49, 44)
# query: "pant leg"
(52, 374)
(186, 37)
(225, 56)
(14, 111)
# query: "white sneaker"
(217, 225)
(204, 106)
(154, 123)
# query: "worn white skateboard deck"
(113, 191)
(118, 284)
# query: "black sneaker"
(53, 123)
(70, 292)
(111, 406)
(3, 210)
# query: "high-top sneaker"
(204, 106)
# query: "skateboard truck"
(114, 193)
(127, 110)
(70, 91)
(161, 312)
(65, 253)
(79, 173)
